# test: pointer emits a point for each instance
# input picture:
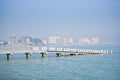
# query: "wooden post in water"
(8, 55)
(27, 55)
(58, 54)
(42, 54)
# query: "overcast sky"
(75, 18)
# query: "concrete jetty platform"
(59, 51)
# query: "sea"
(51, 67)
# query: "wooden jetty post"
(43, 53)
(58, 54)
(27, 54)
(8, 55)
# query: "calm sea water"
(82, 67)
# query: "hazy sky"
(76, 18)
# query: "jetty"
(44, 50)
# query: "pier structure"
(59, 51)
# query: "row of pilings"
(27, 55)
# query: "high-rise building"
(84, 40)
(13, 40)
(44, 42)
(95, 40)
(54, 40)
(68, 40)
(26, 40)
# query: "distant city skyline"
(51, 40)
(66, 18)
